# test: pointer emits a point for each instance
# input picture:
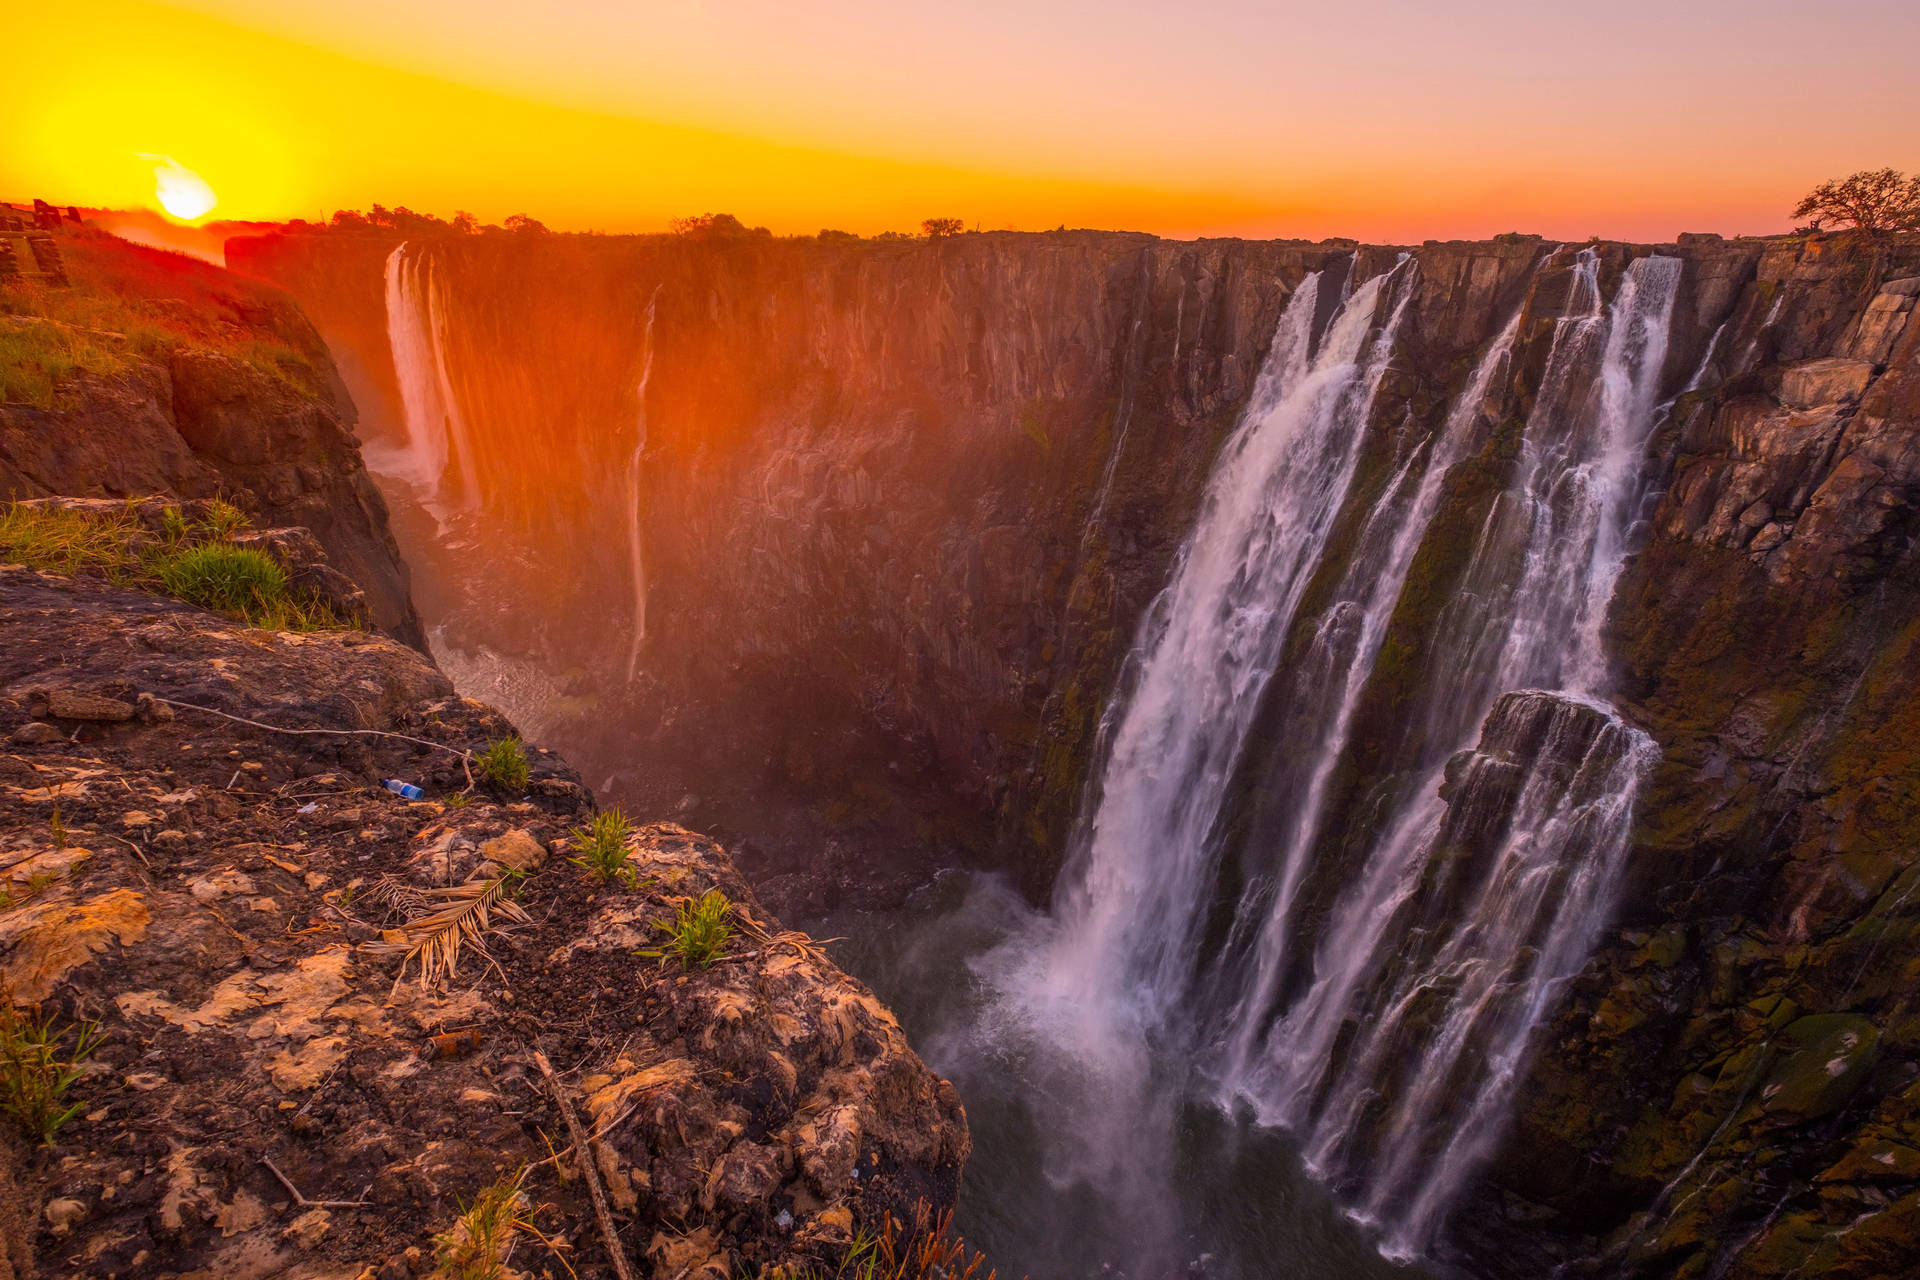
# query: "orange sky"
(1384, 119)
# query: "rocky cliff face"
(1731, 1086)
(178, 378)
(898, 504)
(901, 507)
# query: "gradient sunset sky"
(1383, 119)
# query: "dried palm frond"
(803, 945)
(398, 897)
(436, 938)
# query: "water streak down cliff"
(1569, 620)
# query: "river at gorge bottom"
(1080, 1171)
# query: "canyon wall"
(895, 512)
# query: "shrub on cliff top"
(1872, 200)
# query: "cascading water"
(436, 429)
(1134, 905)
(635, 552)
(1387, 1032)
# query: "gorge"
(1446, 711)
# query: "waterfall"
(1129, 383)
(1388, 1032)
(635, 560)
(1325, 690)
(1137, 888)
(436, 429)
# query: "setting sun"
(183, 193)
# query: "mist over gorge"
(1517, 635)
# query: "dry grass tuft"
(482, 1240)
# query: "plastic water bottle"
(405, 790)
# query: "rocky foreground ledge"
(275, 1093)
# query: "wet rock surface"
(276, 1093)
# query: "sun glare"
(180, 191)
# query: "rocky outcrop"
(176, 410)
(279, 1090)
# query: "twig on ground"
(301, 1201)
(466, 757)
(584, 1157)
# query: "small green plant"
(603, 847)
(458, 800)
(479, 1243)
(174, 524)
(698, 932)
(37, 1070)
(57, 827)
(504, 763)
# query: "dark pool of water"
(1175, 1186)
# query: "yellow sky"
(1377, 119)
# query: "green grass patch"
(188, 559)
(226, 578)
(37, 1069)
(504, 763)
